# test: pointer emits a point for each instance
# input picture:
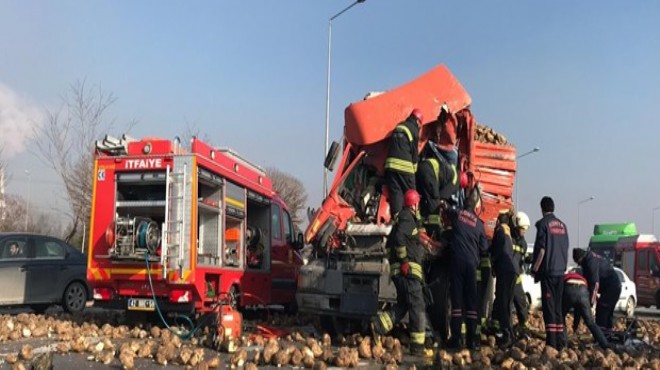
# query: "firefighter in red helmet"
(405, 257)
(402, 158)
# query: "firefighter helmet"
(522, 220)
(418, 114)
(411, 198)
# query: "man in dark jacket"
(548, 266)
(576, 297)
(505, 271)
(406, 256)
(468, 240)
(401, 161)
(602, 279)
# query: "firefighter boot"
(420, 350)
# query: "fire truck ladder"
(173, 227)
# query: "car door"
(45, 271)
(13, 272)
(643, 278)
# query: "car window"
(13, 248)
(623, 280)
(49, 249)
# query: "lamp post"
(327, 96)
(579, 204)
(27, 207)
(536, 149)
(653, 219)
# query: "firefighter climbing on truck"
(402, 158)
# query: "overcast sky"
(580, 79)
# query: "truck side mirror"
(299, 243)
(331, 156)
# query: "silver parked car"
(40, 271)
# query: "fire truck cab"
(179, 228)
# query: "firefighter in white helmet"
(520, 225)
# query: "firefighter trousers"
(576, 297)
(438, 285)
(520, 302)
(503, 300)
(609, 296)
(552, 288)
(409, 299)
(398, 183)
(463, 292)
(485, 286)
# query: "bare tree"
(191, 130)
(66, 140)
(38, 222)
(291, 190)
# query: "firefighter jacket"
(403, 245)
(519, 248)
(434, 176)
(501, 251)
(403, 152)
(468, 236)
(550, 247)
(598, 273)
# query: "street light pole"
(327, 96)
(27, 207)
(653, 219)
(536, 149)
(579, 204)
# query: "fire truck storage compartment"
(234, 226)
(258, 235)
(209, 205)
(140, 212)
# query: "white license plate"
(141, 304)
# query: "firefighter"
(506, 270)
(548, 266)
(406, 255)
(401, 161)
(576, 297)
(602, 279)
(468, 240)
(520, 226)
(436, 178)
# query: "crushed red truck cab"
(349, 230)
(181, 228)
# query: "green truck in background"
(606, 236)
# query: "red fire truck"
(185, 227)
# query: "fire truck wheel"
(75, 296)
